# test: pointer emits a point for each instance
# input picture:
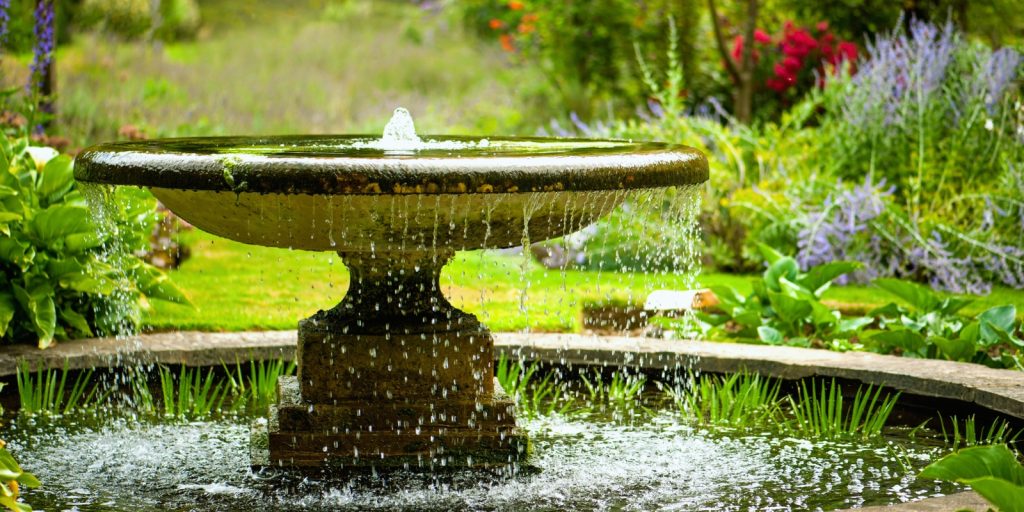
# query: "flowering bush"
(795, 60)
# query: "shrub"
(933, 124)
(63, 274)
(173, 19)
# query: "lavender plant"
(938, 119)
(42, 59)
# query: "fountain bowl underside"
(343, 194)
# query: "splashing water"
(400, 136)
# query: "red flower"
(822, 26)
(515, 5)
(848, 50)
(496, 24)
(737, 47)
(762, 37)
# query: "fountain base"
(394, 376)
(391, 434)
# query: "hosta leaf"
(955, 349)
(997, 320)
(992, 471)
(155, 285)
(769, 254)
(790, 310)
(784, 267)
(908, 341)
(818, 278)
(919, 297)
(822, 315)
(76, 320)
(770, 335)
(8, 307)
(78, 242)
(56, 178)
(56, 222)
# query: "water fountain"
(393, 375)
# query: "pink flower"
(762, 37)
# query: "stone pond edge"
(997, 390)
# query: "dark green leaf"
(908, 341)
(820, 276)
(955, 350)
(996, 320)
(783, 267)
(919, 297)
(790, 310)
(56, 222)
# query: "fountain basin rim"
(323, 164)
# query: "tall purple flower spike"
(43, 51)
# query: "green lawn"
(239, 287)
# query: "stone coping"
(998, 390)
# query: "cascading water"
(398, 377)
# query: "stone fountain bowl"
(343, 194)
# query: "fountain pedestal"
(394, 375)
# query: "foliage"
(967, 433)
(933, 328)
(585, 49)
(819, 411)
(12, 477)
(63, 273)
(174, 19)
(742, 399)
(47, 392)
(785, 306)
(992, 471)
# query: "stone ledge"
(998, 390)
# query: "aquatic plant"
(819, 412)
(192, 394)
(533, 398)
(47, 392)
(994, 472)
(966, 434)
(257, 389)
(741, 399)
(621, 395)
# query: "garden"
(831, 194)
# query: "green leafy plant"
(47, 392)
(933, 328)
(737, 400)
(992, 471)
(64, 274)
(819, 411)
(12, 477)
(785, 306)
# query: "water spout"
(400, 129)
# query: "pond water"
(579, 463)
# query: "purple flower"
(42, 60)
(5, 17)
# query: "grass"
(238, 287)
(292, 67)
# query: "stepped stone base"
(386, 434)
